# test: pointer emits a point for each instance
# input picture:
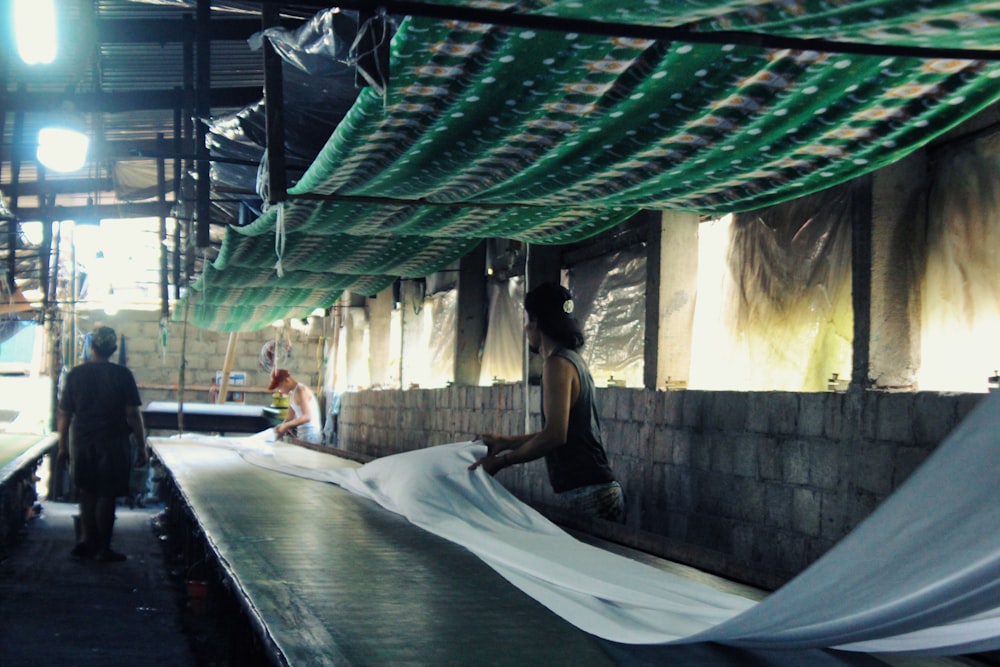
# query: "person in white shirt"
(304, 417)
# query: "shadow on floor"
(58, 611)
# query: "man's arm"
(134, 418)
(63, 429)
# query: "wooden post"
(227, 367)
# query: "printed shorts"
(600, 501)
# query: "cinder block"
(795, 462)
(726, 411)
(693, 409)
(745, 455)
(966, 403)
(824, 463)
(895, 417)
(669, 407)
(812, 413)
(758, 415)
(806, 511)
(873, 468)
(623, 403)
(834, 416)
(778, 506)
(769, 460)
(908, 459)
(701, 450)
(933, 417)
(747, 500)
(784, 412)
(680, 448)
(643, 405)
(792, 552)
(722, 453)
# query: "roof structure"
(549, 122)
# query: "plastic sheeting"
(318, 88)
(429, 329)
(960, 296)
(438, 334)
(610, 303)
(321, 47)
(920, 575)
(782, 317)
(503, 349)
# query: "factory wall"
(754, 486)
(156, 368)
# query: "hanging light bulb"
(35, 30)
(62, 149)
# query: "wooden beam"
(131, 100)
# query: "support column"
(472, 316)
(678, 290)
(380, 318)
(203, 95)
(891, 351)
(353, 336)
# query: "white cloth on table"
(921, 574)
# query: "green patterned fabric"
(551, 137)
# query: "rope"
(279, 239)
(378, 27)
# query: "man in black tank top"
(570, 439)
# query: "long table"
(333, 579)
(20, 454)
(329, 578)
(210, 417)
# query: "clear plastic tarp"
(503, 349)
(774, 308)
(960, 318)
(609, 302)
(429, 330)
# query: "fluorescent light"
(62, 149)
(35, 30)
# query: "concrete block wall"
(762, 483)
(156, 371)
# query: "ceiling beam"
(64, 186)
(156, 31)
(95, 212)
(115, 150)
(133, 100)
(685, 34)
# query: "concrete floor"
(58, 611)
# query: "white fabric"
(922, 574)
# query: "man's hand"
(142, 456)
(493, 463)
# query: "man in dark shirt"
(98, 412)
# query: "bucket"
(280, 402)
(197, 592)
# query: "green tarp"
(552, 137)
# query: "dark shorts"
(102, 467)
(600, 501)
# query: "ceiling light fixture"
(35, 30)
(62, 149)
